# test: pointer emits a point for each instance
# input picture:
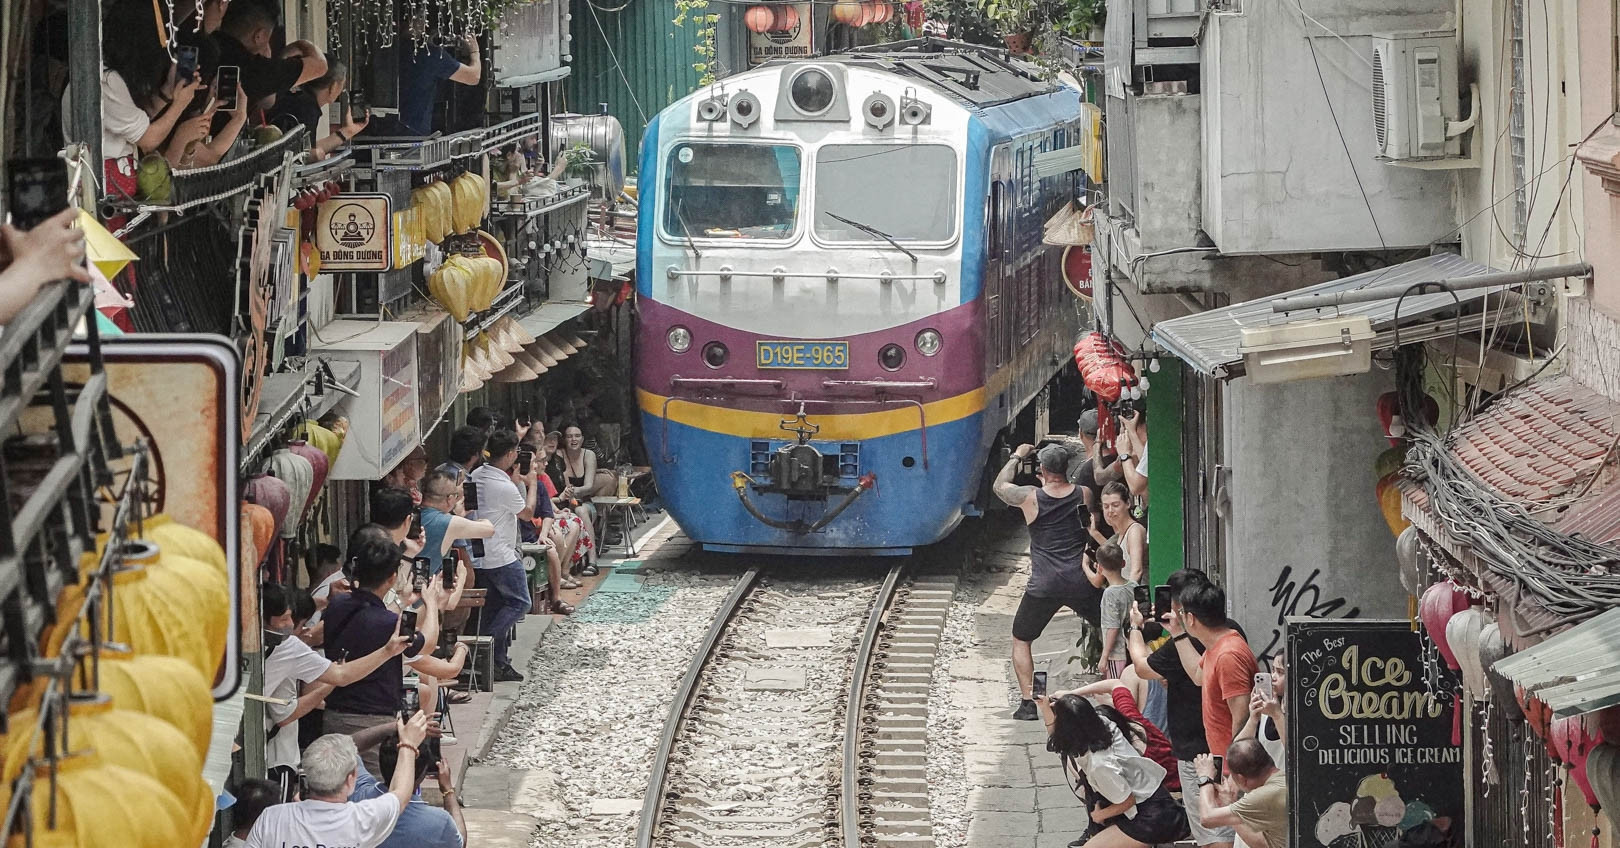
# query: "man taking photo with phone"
(505, 497)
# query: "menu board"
(1370, 715)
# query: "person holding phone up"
(31, 260)
(505, 497)
(1266, 722)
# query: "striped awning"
(1575, 672)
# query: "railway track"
(785, 734)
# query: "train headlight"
(929, 342)
(891, 357)
(812, 91)
(680, 339)
(715, 354)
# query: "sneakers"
(508, 674)
(1026, 709)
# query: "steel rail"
(678, 708)
(849, 797)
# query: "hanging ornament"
(759, 19)
(847, 12)
(785, 18)
(1575, 743)
(1410, 561)
(1463, 636)
(1439, 603)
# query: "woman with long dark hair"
(1101, 751)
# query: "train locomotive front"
(810, 356)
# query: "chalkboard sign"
(1370, 711)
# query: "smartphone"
(416, 525)
(447, 573)
(410, 702)
(185, 63)
(525, 460)
(225, 83)
(36, 189)
(1141, 594)
(1161, 599)
(1219, 766)
(524, 417)
(359, 109)
(469, 495)
(407, 623)
(1263, 682)
(421, 570)
(1038, 688)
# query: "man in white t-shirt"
(505, 497)
(331, 767)
(297, 674)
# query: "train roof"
(975, 75)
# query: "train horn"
(712, 109)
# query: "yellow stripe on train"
(842, 427)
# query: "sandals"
(570, 583)
(561, 608)
(456, 696)
(574, 570)
(590, 570)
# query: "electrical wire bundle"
(1570, 577)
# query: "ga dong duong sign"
(1370, 715)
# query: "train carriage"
(844, 298)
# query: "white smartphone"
(1262, 682)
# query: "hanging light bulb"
(1143, 383)
(1397, 426)
(1153, 365)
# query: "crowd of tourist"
(1182, 735)
(360, 670)
(173, 105)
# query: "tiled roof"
(1541, 441)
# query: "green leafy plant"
(966, 21)
(693, 11)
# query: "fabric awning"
(1210, 341)
(551, 315)
(1575, 672)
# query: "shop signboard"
(353, 232)
(788, 37)
(181, 394)
(1370, 715)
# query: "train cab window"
(732, 191)
(904, 191)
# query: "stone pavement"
(1020, 796)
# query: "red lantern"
(848, 12)
(1103, 366)
(881, 12)
(786, 19)
(759, 19)
(1439, 603)
(868, 13)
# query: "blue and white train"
(845, 302)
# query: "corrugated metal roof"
(1208, 341)
(636, 60)
(1575, 672)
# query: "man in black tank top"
(1055, 513)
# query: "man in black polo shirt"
(359, 622)
(244, 40)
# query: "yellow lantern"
(105, 804)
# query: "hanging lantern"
(1535, 712)
(105, 804)
(330, 442)
(186, 541)
(1603, 775)
(139, 742)
(272, 494)
(299, 476)
(868, 13)
(1439, 603)
(758, 19)
(1492, 647)
(320, 464)
(787, 18)
(164, 687)
(1103, 366)
(263, 530)
(1410, 561)
(847, 12)
(211, 586)
(1389, 503)
(1394, 426)
(1574, 745)
(1462, 634)
(884, 12)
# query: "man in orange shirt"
(1226, 668)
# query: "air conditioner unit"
(1414, 94)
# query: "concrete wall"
(1597, 101)
(1167, 169)
(1486, 194)
(1305, 535)
(1278, 179)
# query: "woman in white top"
(1265, 722)
(1101, 752)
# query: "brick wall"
(1592, 337)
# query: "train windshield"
(906, 191)
(746, 191)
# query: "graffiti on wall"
(1292, 596)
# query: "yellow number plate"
(802, 355)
